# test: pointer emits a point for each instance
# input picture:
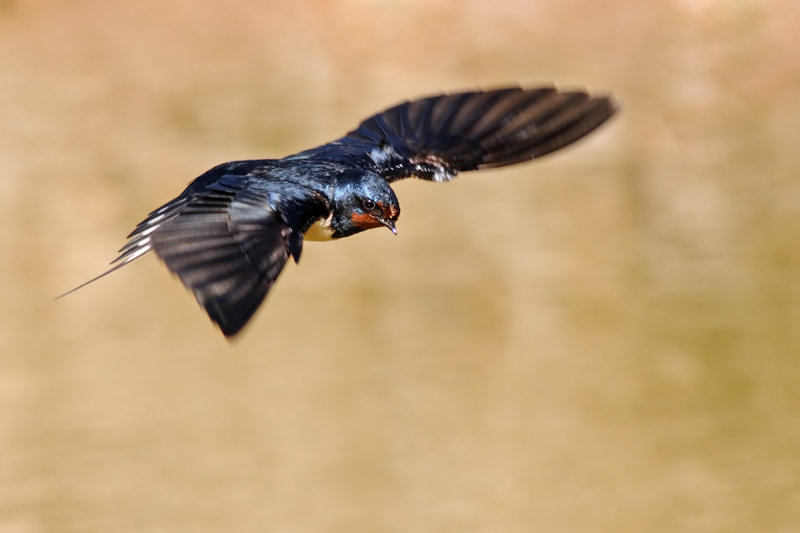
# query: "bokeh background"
(606, 340)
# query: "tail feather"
(107, 272)
(139, 242)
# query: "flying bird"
(228, 235)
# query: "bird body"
(321, 230)
(228, 235)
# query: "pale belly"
(320, 230)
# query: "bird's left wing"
(437, 137)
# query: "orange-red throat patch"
(365, 221)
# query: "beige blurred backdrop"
(606, 340)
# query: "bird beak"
(389, 224)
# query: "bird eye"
(368, 204)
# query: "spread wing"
(227, 238)
(435, 138)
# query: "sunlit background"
(606, 340)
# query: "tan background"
(606, 340)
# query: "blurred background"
(605, 340)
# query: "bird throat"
(320, 230)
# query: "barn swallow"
(228, 235)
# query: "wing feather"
(228, 247)
(437, 137)
(227, 237)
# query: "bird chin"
(320, 230)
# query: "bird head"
(363, 202)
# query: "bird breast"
(320, 230)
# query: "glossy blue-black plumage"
(228, 235)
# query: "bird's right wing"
(437, 137)
(227, 239)
(229, 244)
